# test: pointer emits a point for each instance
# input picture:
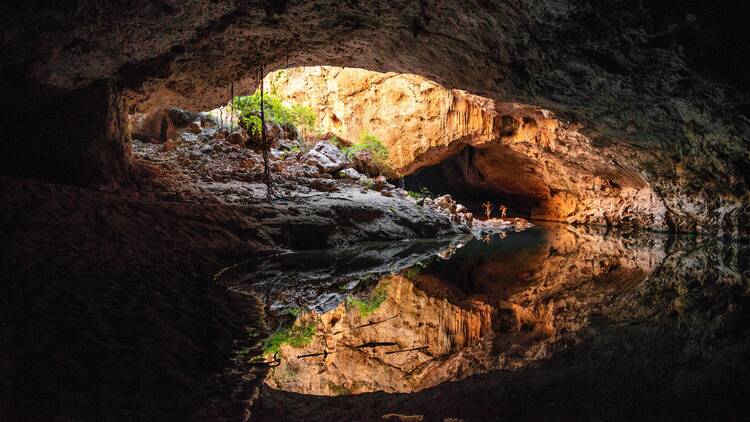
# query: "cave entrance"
(474, 175)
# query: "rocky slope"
(321, 202)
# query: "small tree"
(248, 110)
(371, 144)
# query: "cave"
(161, 260)
(473, 176)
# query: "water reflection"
(418, 316)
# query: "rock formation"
(513, 149)
(486, 310)
(636, 75)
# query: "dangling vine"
(270, 194)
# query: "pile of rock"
(458, 214)
(216, 157)
(497, 225)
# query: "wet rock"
(206, 149)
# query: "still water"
(670, 313)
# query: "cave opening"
(140, 247)
(444, 141)
(474, 175)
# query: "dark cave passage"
(475, 175)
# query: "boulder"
(326, 157)
(275, 154)
(447, 203)
(349, 173)
(238, 137)
(380, 182)
(156, 125)
(195, 127)
(323, 185)
(168, 146)
(401, 193)
(181, 118)
(273, 133)
(207, 120)
(362, 161)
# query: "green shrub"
(420, 194)
(296, 335)
(370, 143)
(248, 112)
(366, 306)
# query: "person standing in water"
(487, 209)
(503, 210)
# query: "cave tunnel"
(459, 176)
(109, 305)
(475, 175)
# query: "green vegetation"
(421, 193)
(412, 272)
(335, 140)
(296, 335)
(248, 110)
(339, 390)
(371, 144)
(366, 306)
(417, 269)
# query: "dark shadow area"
(108, 311)
(468, 178)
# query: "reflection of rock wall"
(508, 313)
(412, 319)
(516, 311)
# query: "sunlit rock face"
(522, 151)
(489, 309)
(506, 148)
